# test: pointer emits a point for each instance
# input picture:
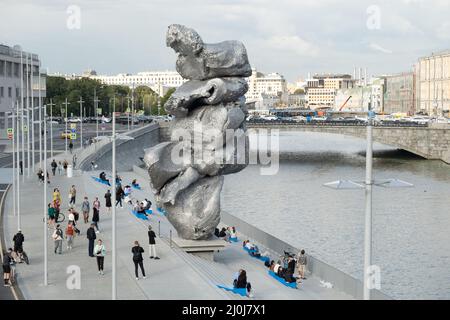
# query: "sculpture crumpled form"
(208, 134)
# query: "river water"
(411, 226)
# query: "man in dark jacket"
(54, 166)
(91, 237)
(152, 243)
(18, 241)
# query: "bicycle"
(60, 218)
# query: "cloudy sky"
(292, 37)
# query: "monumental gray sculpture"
(208, 134)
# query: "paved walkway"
(176, 276)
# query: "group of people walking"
(96, 246)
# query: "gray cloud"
(288, 36)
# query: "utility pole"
(96, 112)
(128, 108)
(13, 118)
(32, 113)
(40, 117)
(51, 104)
(114, 256)
(132, 107)
(18, 160)
(81, 123)
(28, 116)
(44, 209)
(67, 120)
(22, 105)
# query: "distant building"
(321, 90)
(270, 85)
(361, 97)
(11, 85)
(433, 84)
(297, 100)
(399, 93)
(158, 81)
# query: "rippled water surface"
(411, 227)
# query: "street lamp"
(113, 169)
(367, 185)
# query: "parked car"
(66, 134)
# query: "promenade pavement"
(172, 277)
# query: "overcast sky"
(292, 37)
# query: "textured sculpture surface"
(208, 132)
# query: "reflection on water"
(410, 226)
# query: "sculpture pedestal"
(202, 248)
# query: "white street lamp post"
(367, 185)
(51, 104)
(45, 202)
(67, 120)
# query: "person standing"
(96, 214)
(74, 160)
(60, 168)
(85, 207)
(21, 167)
(71, 147)
(56, 195)
(70, 230)
(51, 214)
(18, 240)
(119, 196)
(152, 243)
(100, 253)
(58, 238)
(6, 264)
(90, 234)
(72, 195)
(54, 166)
(138, 260)
(108, 200)
(65, 164)
(301, 263)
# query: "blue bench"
(101, 181)
(239, 291)
(149, 211)
(250, 252)
(235, 239)
(292, 285)
(139, 215)
(138, 187)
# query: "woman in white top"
(100, 253)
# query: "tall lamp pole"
(40, 117)
(45, 202)
(81, 119)
(367, 186)
(22, 106)
(51, 104)
(114, 257)
(96, 112)
(67, 120)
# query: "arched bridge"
(428, 141)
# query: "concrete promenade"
(177, 275)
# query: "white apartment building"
(15, 64)
(321, 90)
(433, 84)
(272, 84)
(158, 81)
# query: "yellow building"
(433, 84)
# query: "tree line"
(59, 89)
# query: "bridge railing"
(337, 124)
